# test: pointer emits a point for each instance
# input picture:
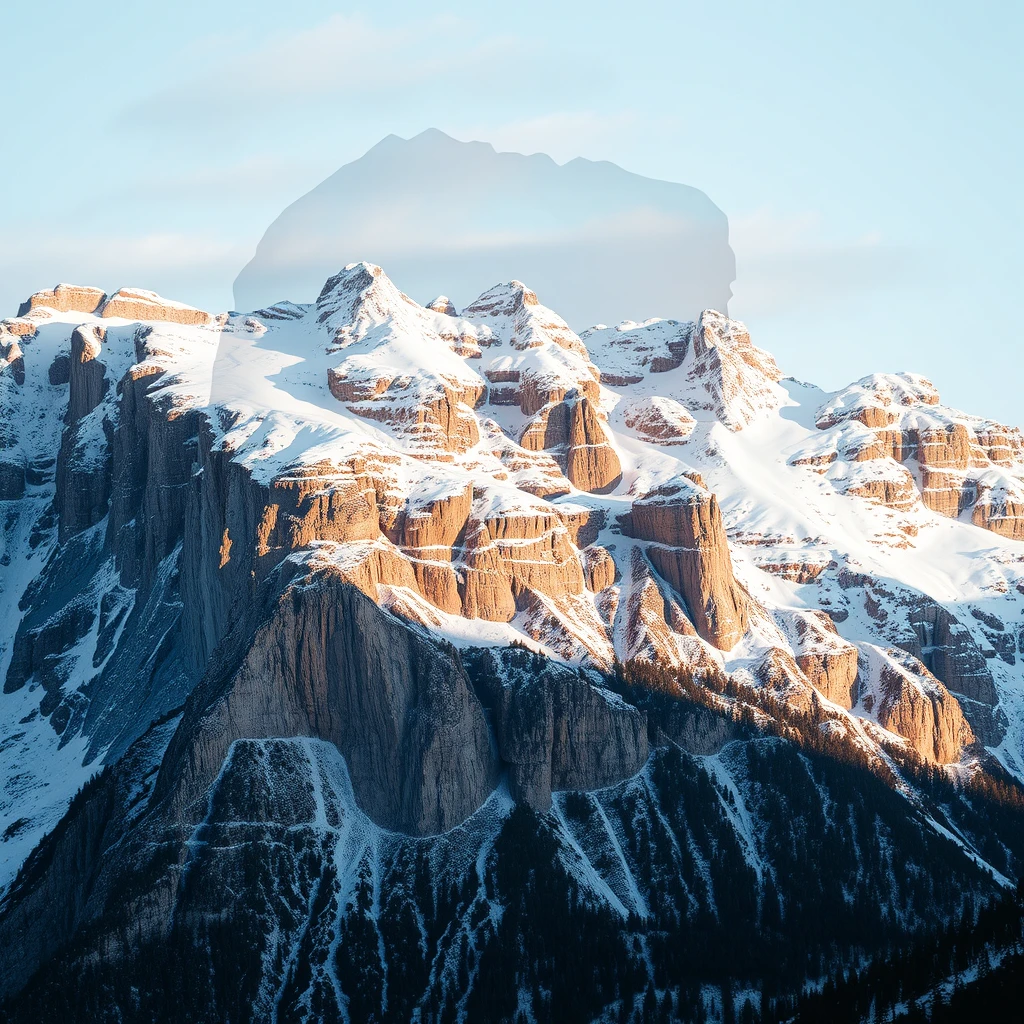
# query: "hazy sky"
(867, 155)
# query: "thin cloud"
(346, 58)
(789, 264)
(253, 178)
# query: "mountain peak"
(434, 136)
(360, 591)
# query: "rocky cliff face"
(328, 663)
(825, 658)
(472, 554)
(556, 731)
(690, 552)
(139, 304)
(65, 298)
(907, 699)
(888, 438)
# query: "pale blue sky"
(867, 155)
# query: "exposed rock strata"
(828, 661)
(652, 622)
(659, 420)
(908, 700)
(329, 663)
(712, 365)
(591, 463)
(690, 552)
(65, 298)
(738, 377)
(139, 304)
(889, 439)
(556, 731)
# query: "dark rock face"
(59, 372)
(67, 883)
(37, 650)
(555, 730)
(236, 534)
(330, 664)
(128, 457)
(84, 461)
(12, 481)
(154, 450)
(87, 374)
(948, 650)
(44, 910)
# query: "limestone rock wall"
(828, 661)
(889, 439)
(555, 731)
(65, 298)
(139, 304)
(591, 463)
(84, 462)
(329, 663)
(689, 550)
(930, 720)
(907, 699)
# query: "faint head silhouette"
(597, 243)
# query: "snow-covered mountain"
(362, 604)
(442, 215)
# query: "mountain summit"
(366, 660)
(598, 242)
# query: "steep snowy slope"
(307, 537)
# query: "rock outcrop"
(83, 476)
(658, 420)
(908, 700)
(828, 661)
(65, 298)
(12, 481)
(329, 663)
(139, 304)
(889, 439)
(689, 550)
(740, 379)
(509, 552)
(653, 624)
(947, 649)
(591, 463)
(1000, 507)
(12, 359)
(629, 352)
(556, 731)
(711, 362)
